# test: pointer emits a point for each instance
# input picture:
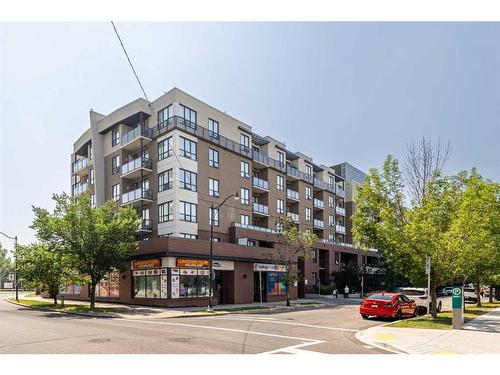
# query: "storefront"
(269, 282)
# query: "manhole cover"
(99, 341)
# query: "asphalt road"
(326, 330)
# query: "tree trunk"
(433, 301)
(92, 294)
(288, 294)
(54, 291)
(478, 295)
(491, 294)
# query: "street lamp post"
(15, 262)
(235, 196)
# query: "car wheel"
(398, 315)
(364, 316)
(415, 312)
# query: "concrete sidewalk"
(480, 336)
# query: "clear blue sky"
(336, 91)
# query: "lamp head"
(236, 196)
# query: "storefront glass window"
(109, 286)
(194, 283)
(140, 286)
(152, 287)
(276, 283)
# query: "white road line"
(294, 349)
(222, 329)
(293, 323)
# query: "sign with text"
(192, 263)
(146, 263)
(456, 297)
(427, 265)
(264, 267)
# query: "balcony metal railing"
(340, 228)
(136, 164)
(260, 183)
(145, 225)
(260, 208)
(80, 188)
(253, 227)
(80, 164)
(137, 194)
(340, 192)
(292, 194)
(318, 203)
(318, 223)
(294, 216)
(340, 210)
(136, 133)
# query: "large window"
(281, 159)
(189, 115)
(147, 283)
(115, 137)
(115, 164)
(245, 142)
(276, 283)
(116, 192)
(92, 176)
(213, 187)
(308, 192)
(213, 213)
(165, 180)
(213, 128)
(280, 183)
(308, 170)
(245, 196)
(189, 236)
(245, 219)
(194, 283)
(280, 206)
(187, 211)
(165, 212)
(163, 116)
(109, 286)
(164, 148)
(314, 256)
(187, 180)
(331, 220)
(308, 214)
(188, 148)
(245, 169)
(331, 201)
(213, 158)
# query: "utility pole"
(428, 272)
(15, 262)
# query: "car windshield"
(382, 297)
(413, 292)
(469, 290)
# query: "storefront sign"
(146, 263)
(192, 263)
(223, 265)
(264, 267)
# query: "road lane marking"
(295, 349)
(291, 323)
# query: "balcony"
(340, 192)
(81, 167)
(80, 188)
(318, 203)
(340, 210)
(137, 138)
(145, 226)
(292, 194)
(340, 229)
(294, 216)
(260, 209)
(318, 224)
(137, 196)
(253, 227)
(132, 170)
(260, 184)
(292, 172)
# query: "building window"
(331, 237)
(245, 142)
(314, 278)
(108, 287)
(165, 180)
(188, 115)
(187, 180)
(164, 148)
(163, 116)
(213, 128)
(213, 158)
(213, 187)
(308, 192)
(187, 211)
(281, 159)
(276, 283)
(194, 283)
(92, 176)
(314, 256)
(308, 170)
(331, 201)
(331, 181)
(308, 214)
(245, 169)
(280, 182)
(92, 200)
(245, 196)
(245, 219)
(188, 148)
(331, 220)
(115, 136)
(115, 164)
(166, 212)
(116, 192)
(280, 206)
(213, 213)
(147, 283)
(189, 236)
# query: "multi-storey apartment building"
(175, 157)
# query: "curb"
(385, 347)
(41, 308)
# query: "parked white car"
(470, 295)
(421, 298)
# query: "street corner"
(381, 338)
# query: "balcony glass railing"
(294, 216)
(80, 164)
(291, 171)
(292, 194)
(80, 188)
(136, 133)
(318, 203)
(318, 223)
(260, 208)
(260, 183)
(253, 227)
(137, 194)
(340, 228)
(145, 225)
(340, 210)
(339, 191)
(136, 164)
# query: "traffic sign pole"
(457, 296)
(428, 272)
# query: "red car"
(388, 305)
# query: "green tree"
(45, 267)
(295, 244)
(6, 266)
(97, 239)
(347, 274)
(475, 233)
